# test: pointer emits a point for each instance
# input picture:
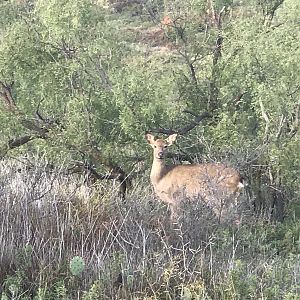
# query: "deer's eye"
(155, 146)
(165, 146)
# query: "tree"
(84, 83)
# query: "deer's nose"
(160, 154)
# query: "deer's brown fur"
(215, 184)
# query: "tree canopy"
(83, 80)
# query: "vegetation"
(81, 82)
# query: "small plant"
(94, 292)
(77, 265)
(13, 285)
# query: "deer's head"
(160, 146)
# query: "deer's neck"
(157, 170)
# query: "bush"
(62, 239)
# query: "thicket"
(63, 240)
(80, 83)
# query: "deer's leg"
(175, 213)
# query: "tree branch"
(185, 129)
(15, 143)
(116, 172)
(7, 97)
(216, 55)
(269, 10)
(265, 116)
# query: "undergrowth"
(61, 239)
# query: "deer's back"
(202, 180)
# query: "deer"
(215, 184)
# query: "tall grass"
(129, 248)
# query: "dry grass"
(130, 249)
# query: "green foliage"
(243, 285)
(77, 265)
(80, 64)
(13, 284)
(60, 290)
(94, 292)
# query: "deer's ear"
(171, 139)
(149, 138)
